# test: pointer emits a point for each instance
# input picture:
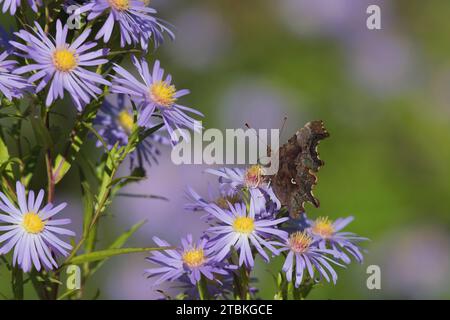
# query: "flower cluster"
(131, 110)
(61, 63)
(246, 220)
(47, 61)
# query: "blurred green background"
(384, 95)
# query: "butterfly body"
(298, 164)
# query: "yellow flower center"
(253, 176)
(126, 121)
(244, 225)
(323, 227)
(194, 258)
(32, 223)
(120, 5)
(300, 242)
(163, 94)
(64, 60)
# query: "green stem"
(105, 188)
(17, 283)
(202, 289)
(49, 164)
(241, 279)
(302, 292)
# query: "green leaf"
(106, 254)
(62, 166)
(88, 205)
(6, 166)
(17, 283)
(135, 176)
(31, 161)
(125, 180)
(42, 134)
(67, 294)
(78, 136)
(5, 160)
(98, 135)
(145, 133)
(4, 154)
(120, 242)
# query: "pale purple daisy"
(251, 180)
(115, 122)
(62, 64)
(192, 260)
(11, 85)
(304, 254)
(32, 231)
(241, 230)
(12, 5)
(136, 21)
(329, 235)
(222, 198)
(155, 95)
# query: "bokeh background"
(384, 95)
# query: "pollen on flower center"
(32, 223)
(244, 225)
(126, 121)
(300, 242)
(120, 5)
(323, 227)
(64, 60)
(194, 257)
(253, 176)
(163, 93)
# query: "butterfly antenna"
(257, 134)
(259, 139)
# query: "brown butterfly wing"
(298, 164)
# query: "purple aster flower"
(328, 234)
(192, 259)
(32, 231)
(154, 93)
(222, 199)
(12, 5)
(251, 180)
(240, 229)
(136, 21)
(11, 85)
(62, 64)
(303, 253)
(115, 123)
